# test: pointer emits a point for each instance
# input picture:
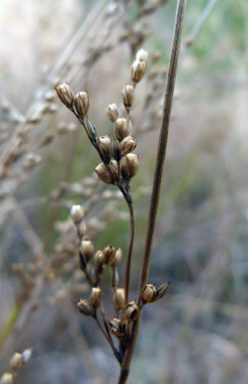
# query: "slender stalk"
(170, 84)
(130, 251)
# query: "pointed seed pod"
(26, 354)
(95, 297)
(109, 253)
(129, 166)
(90, 129)
(142, 55)
(117, 258)
(138, 70)
(162, 290)
(149, 293)
(104, 144)
(16, 362)
(122, 128)
(65, 95)
(85, 308)
(77, 213)
(127, 145)
(81, 103)
(119, 299)
(104, 174)
(87, 249)
(131, 312)
(128, 96)
(99, 260)
(113, 112)
(114, 278)
(7, 378)
(114, 148)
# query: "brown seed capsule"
(122, 128)
(95, 297)
(81, 103)
(85, 308)
(119, 299)
(142, 55)
(99, 260)
(117, 258)
(129, 166)
(104, 143)
(118, 327)
(104, 174)
(127, 145)
(77, 213)
(87, 249)
(131, 312)
(114, 148)
(109, 253)
(149, 293)
(16, 362)
(128, 96)
(81, 228)
(65, 95)
(113, 112)
(138, 70)
(7, 378)
(162, 290)
(90, 129)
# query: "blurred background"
(198, 333)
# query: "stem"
(170, 84)
(130, 250)
(115, 351)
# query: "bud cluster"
(17, 361)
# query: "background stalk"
(163, 138)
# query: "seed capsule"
(85, 308)
(77, 213)
(87, 249)
(81, 103)
(149, 293)
(128, 96)
(113, 112)
(129, 166)
(7, 378)
(65, 95)
(90, 129)
(142, 55)
(26, 354)
(162, 290)
(114, 148)
(99, 260)
(16, 362)
(122, 128)
(119, 299)
(131, 312)
(114, 278)
(109, 253)
(127, 145)
(138, 70)
(117, 258)
(104, 143)
(104, 174)
(95, 297)
(118, 327)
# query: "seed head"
(87, 249)
(131, 312)
(77, 213)
(85, 308)
(129, 166)
(138, 70)
(117, 258)
(65, 95)
(104, 174)
(162, 290)
(114, 148)
(81, 103)
(122, 128)
(149, 293)
(118, 327)
(119, 299)
(113, 112)
(104, 143)
(95, 297)
(109, 253)
(127, 145)
(128, 96)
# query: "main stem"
(163, 138)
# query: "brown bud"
(122, 128)
(81, 228)
(119, 299)
(87, 249)
(117, 258)
(81, 103)
(90, 129)
(128, 96)
(95, 297)
(142, 55)
(99, 260)
(109, 253)
(118, 327)
(77, 213)
(104, 174)
(65, 95)
(127, 145)
(138, 70)
(85, 308)
(149, 293)
(104, 143)
(129, 166)
(7, 378)
(113, 112)
(114, 148)
(16, 362)
(162, 290)
(131, 312)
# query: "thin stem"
(130, 250)
(170, 84)
(115, 351)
